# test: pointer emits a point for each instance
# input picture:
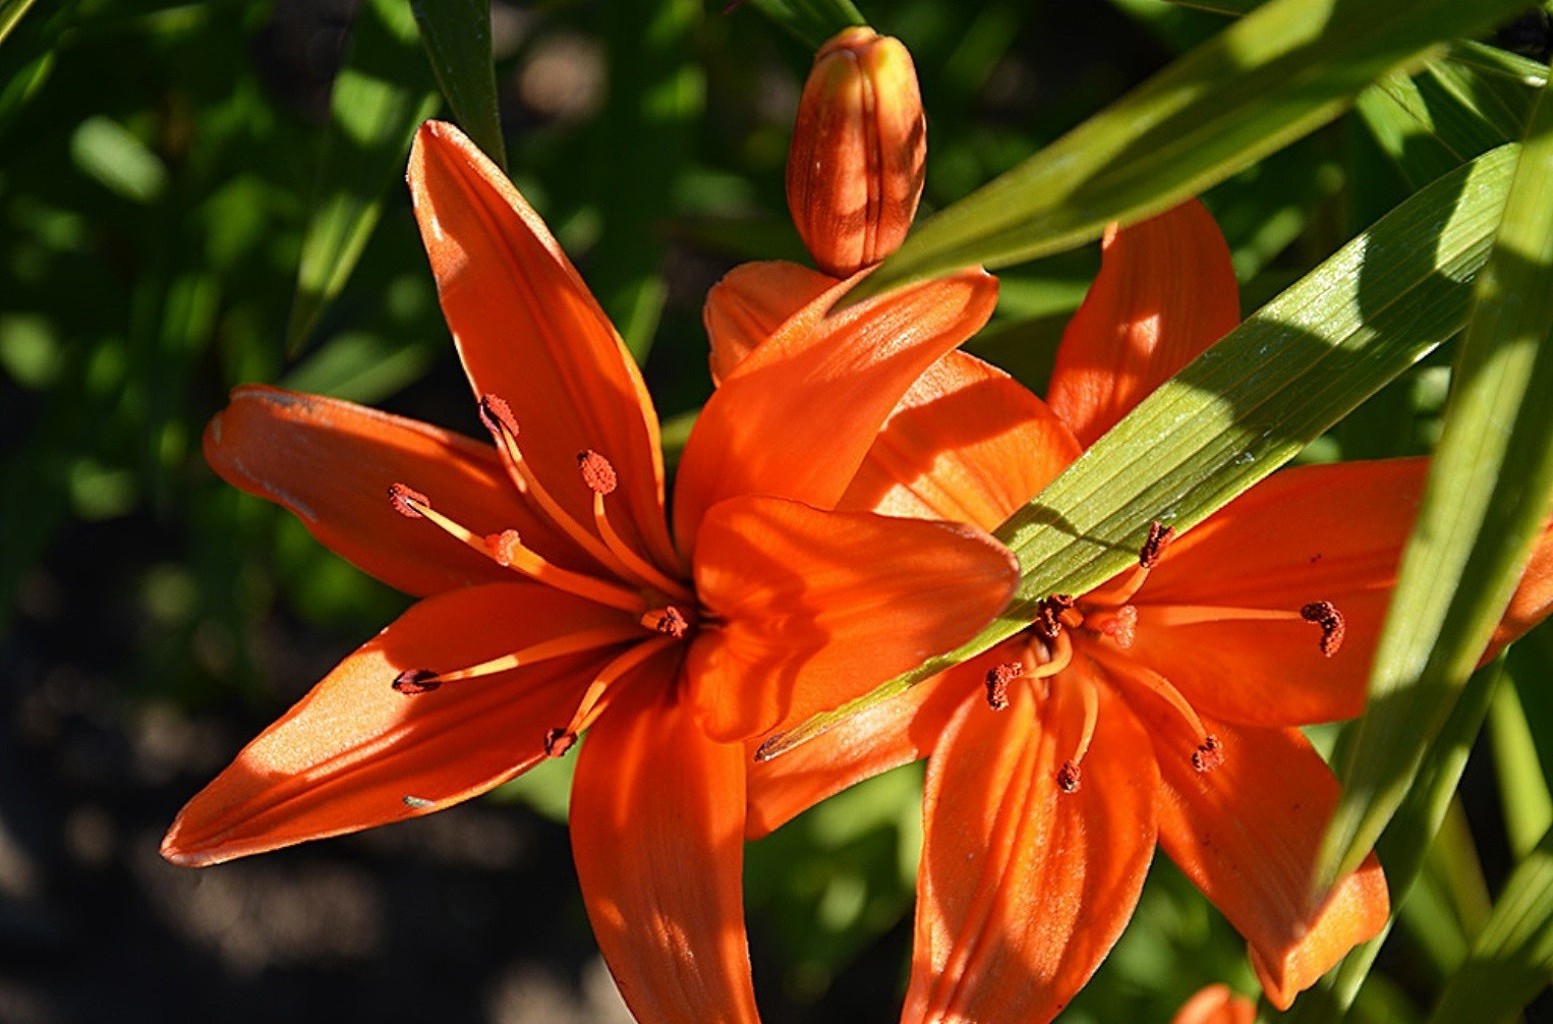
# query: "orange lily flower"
(1216, 1004)
(1162, 707)
(554, 600)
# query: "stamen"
(507, 549)
(1326, 615)
(1069, 776)
(998, 679)
(498, 419)
(422, 680)
(1209, 754)
(1154, 546)
(599, 475)
(559, 741)
(1060, 658)
(404, 500)
(668, 621)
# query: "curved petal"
(1216, 1004)
(1304, 535)
(1248, 833)
(748, 305)
(967, 443)
(657, 832)
(1166, 291)
(885, 736)
(798, 415)
(355, 753)
(1533, 597)
(529, 331)
(331, 463)
(815, 608)
(1024, 888)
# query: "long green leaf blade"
(1263, 82)
(811, 22)
(11, 12)
(378, 101)
(457, 34)
(1484, 504)
(1249, 403)
(1512, 958)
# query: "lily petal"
(331, 463)
(658, 836)
(355, 753)
(967, 443)
(1309, 534)
(748, 305)
(529, 331)
(797, 416)
(1023, 888)
(887, 735)
(1248, 833)
(819, 607)
(1216, 1004)
(1166, 291)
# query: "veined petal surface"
(1166, 291)
(658, 836)
(815, 608)
(966, 443)
(1023, 888)
(331, 463)
(355, 753)
(1247, 833)
(797, 416)
(529, 331)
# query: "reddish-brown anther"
(404, 501)
(1154, 545)
(1326, 615)
(1069, 777)
(597, 472)
(1209, 755)
(998, 679)
(855, 169)
(416, 680)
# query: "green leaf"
(379, 99)
(1488, 492)
(11, 12)
(1523, 792)
(811, 22)
(1513, 955)
(457, 34)
(1248, 404)
(1263, 82)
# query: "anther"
(1326, 615)
(597, 473)
(1069, 777)
(416, 680)
(558, 741)
(1154, 546)
(405, 501)
(998, 679)
(669, 621)
(1209, 754)
(1052, 613)
(497, 416)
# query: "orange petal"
(1216, 1004)
(887, 735)
(355, 753)
(658, 835)
(1248, 833)
(967, 443)
(1533, 597)
(1023, 888)
(331, 463)
(1313, 533)
(529, 331)
(798, 415)
(1166, 291)
(819, 607)
(748, 305)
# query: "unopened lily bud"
(854, 173)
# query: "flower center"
(660, 610)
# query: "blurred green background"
(182, 187)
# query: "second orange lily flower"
(554, 600)
(1161, 708)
